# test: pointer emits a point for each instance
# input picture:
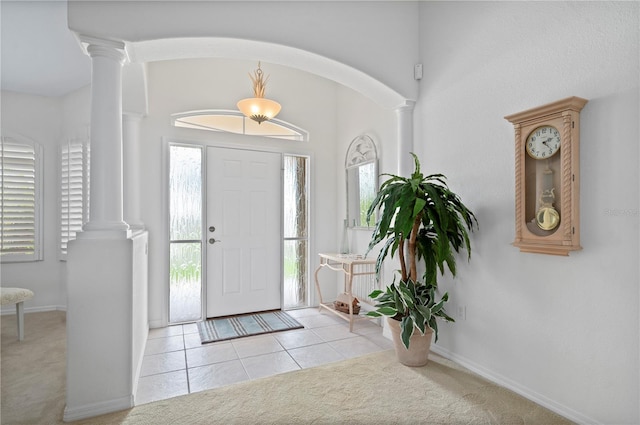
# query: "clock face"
(543, 142)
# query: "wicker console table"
(351, 265)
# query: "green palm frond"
(443, 231)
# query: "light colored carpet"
(33, 374)
(373, 389)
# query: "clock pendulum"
(547, 217)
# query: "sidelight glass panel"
(296, 256)
(185, 193)
(185, 278)
(185, 233)
(295, 197)
(295, 273)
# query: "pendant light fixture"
(259, 108)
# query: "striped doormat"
(232, 327)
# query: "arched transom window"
(235, 122)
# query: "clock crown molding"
(569, 104)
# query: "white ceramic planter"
(419, 345)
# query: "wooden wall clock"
(547, 171)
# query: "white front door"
(244, 198)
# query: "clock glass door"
(542, 179)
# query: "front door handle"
(212, 241)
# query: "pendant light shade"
(259, 108)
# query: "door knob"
(212, 241)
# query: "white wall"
(307, 101)
(359, 115)
(332, 113)
(368, 45)
(40, 119)
(48, 121)
(562, 330)
(76, 113)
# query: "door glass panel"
(185, 232)
(296, 221)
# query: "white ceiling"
(39, 54)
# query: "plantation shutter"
(74, 192)
(20, 170)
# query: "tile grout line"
(288, 353)
(280, 344)
(186, 365)
(240, 360)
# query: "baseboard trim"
(517, 388)
(12, 309)
(97, 409)
(138, 366)
(156, 324)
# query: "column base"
(104, 234)
(106, 321)
(136, 226)
(105, 230)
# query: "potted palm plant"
(420, 220)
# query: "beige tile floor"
(176, 363)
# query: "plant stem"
(403, 266)
(412, 246)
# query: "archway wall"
(353, 43)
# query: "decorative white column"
(404, 115)
(131, 144)
(106, 200)
(404, 124)
(107, 267)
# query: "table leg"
(318, 287)
(20, 317)
(349, 291)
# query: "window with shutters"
(20, 199)
(74, 191)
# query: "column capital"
(113, 49)
(406, 106)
